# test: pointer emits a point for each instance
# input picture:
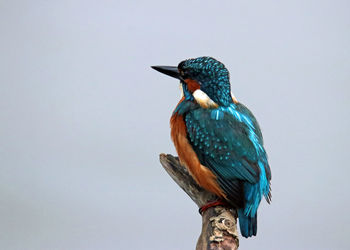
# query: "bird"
(219, 140)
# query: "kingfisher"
(219, 140)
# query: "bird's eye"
(182, 73)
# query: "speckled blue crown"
(212, 75)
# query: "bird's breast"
(202, 175)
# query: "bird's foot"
(212, 204)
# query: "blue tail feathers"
(253, 194)
(247, 224)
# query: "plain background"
(83, 119)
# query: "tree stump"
(219, 224)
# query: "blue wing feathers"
(229, 142)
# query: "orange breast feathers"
(201, 174)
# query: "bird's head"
(202, 77)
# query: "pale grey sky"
(83, 118)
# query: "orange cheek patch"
(192, 85)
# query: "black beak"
(168, 70)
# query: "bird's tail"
(247, 224)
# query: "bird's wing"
(223, 143)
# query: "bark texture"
(219, 224)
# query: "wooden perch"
(219, 224)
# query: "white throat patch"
(204, 100)
(182, 91)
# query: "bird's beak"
(168, 70)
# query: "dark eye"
(184, 74)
